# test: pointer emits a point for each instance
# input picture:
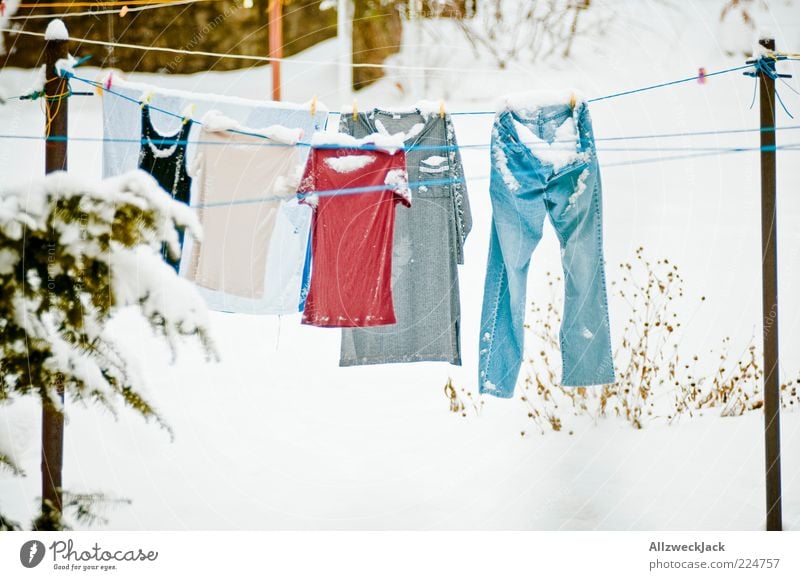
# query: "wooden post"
(56, 109)
(769, 278)
(275, 32)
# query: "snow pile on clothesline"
(217, 122)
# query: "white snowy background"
(277, 436)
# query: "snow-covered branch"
(73, 252)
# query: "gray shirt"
(428, 245)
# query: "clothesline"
(84, 3)
(445, 182)
(697, 151)
(367, 147)
(146, 6)
(530, 145)
(268, 59)
(258, 58)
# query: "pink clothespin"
(123, 11)
(2, 8)
(108, 80)
(701, 75)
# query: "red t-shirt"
(352, 234)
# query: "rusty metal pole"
(56, 109)
(275, 32)
(769, 278)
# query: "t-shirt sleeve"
(397, 178)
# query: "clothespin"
(701, 75)
(187, 114)
(313, 105)
(146, 100)
(98, 87)
(355, 110)
(108, 80)
(123, 11)
(441, 109)
(572, 101)
(2, 8)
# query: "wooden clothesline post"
(56, 101)
(769, 286)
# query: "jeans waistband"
(536, 118)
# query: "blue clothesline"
(69, 75)
(431, 147)
(168, 141)
(698, 151)
(632, 91)
(453, 181)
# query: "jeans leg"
(516, 230)
(575, 209)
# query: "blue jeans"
(558, 175)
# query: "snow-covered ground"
(278, 436)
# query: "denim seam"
(490, 345)
(599, 233)
(599, 230)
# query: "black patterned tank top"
(164, 157)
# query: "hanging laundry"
(164, 157)
(352, 232)
(122, 125)
(428, 243)
(544, 163)
(255, 232)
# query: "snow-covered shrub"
(72, 253)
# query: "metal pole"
(769, 277)
(56, 108)
(275, 32)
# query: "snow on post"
(56, 30)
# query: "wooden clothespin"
(355, 110)
(187, 113)
(146, 100)
(313, 105)
(572, 101)
(441, 109)
(123, 11)
(98, 86)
